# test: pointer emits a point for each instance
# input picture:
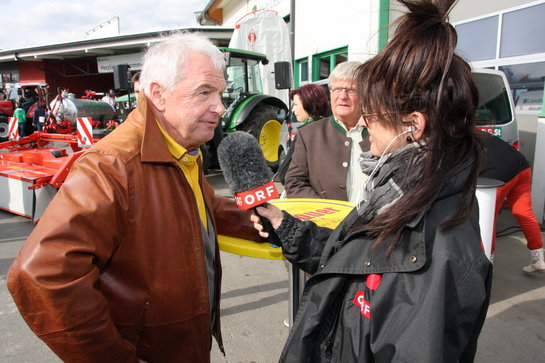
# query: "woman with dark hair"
(310, 103)
(403, 277)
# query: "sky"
(29, 23)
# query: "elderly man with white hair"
(124, 265)
(325, 162)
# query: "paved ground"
(255, 304)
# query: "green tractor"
(247, 108)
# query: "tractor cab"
(243, 78)
(247, 107)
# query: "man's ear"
(418, 122)
(156, 96)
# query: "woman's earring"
(410, 129)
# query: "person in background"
(130, 269)
(109, 98)
(310, 103)
(325, 158)
(20, 115)
(30, 98)
(505, 163)
(38, 117)
(135, 80)
(404, 277)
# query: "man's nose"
(218, 106)
(344, 93)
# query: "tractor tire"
(4, 128)
(263, 124)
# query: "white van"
(495, 112)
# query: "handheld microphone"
(248, 176)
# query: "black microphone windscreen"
(242, 162)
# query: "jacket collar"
(341, 129)
(154, 148)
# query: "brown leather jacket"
(320, 162)
(115, 269)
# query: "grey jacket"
(320, 161)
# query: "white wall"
(322, 25)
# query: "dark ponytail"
(419, 71)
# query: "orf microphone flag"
(257, 196)
(246, 171)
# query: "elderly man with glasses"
(325, 160)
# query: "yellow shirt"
(187, 161)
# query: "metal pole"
(292, 30)
(294, 273)
(538, 172)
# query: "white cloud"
(28, 23)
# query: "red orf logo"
(252, 37)
(365, 307)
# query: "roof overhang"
(108, 46)
(212, 14)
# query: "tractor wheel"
(263, 124)
(4, 128)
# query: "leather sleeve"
(53, 279)
(231, 220)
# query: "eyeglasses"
(338, 90)
(371, 117)
(366, 116)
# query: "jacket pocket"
(130, 320)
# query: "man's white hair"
(345, 71)
(164, 61)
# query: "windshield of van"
(493, 108)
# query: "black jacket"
(501, 160)
(425, 302)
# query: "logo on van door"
(496, 131)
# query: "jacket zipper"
(141, 322)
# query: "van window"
(494, 107)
